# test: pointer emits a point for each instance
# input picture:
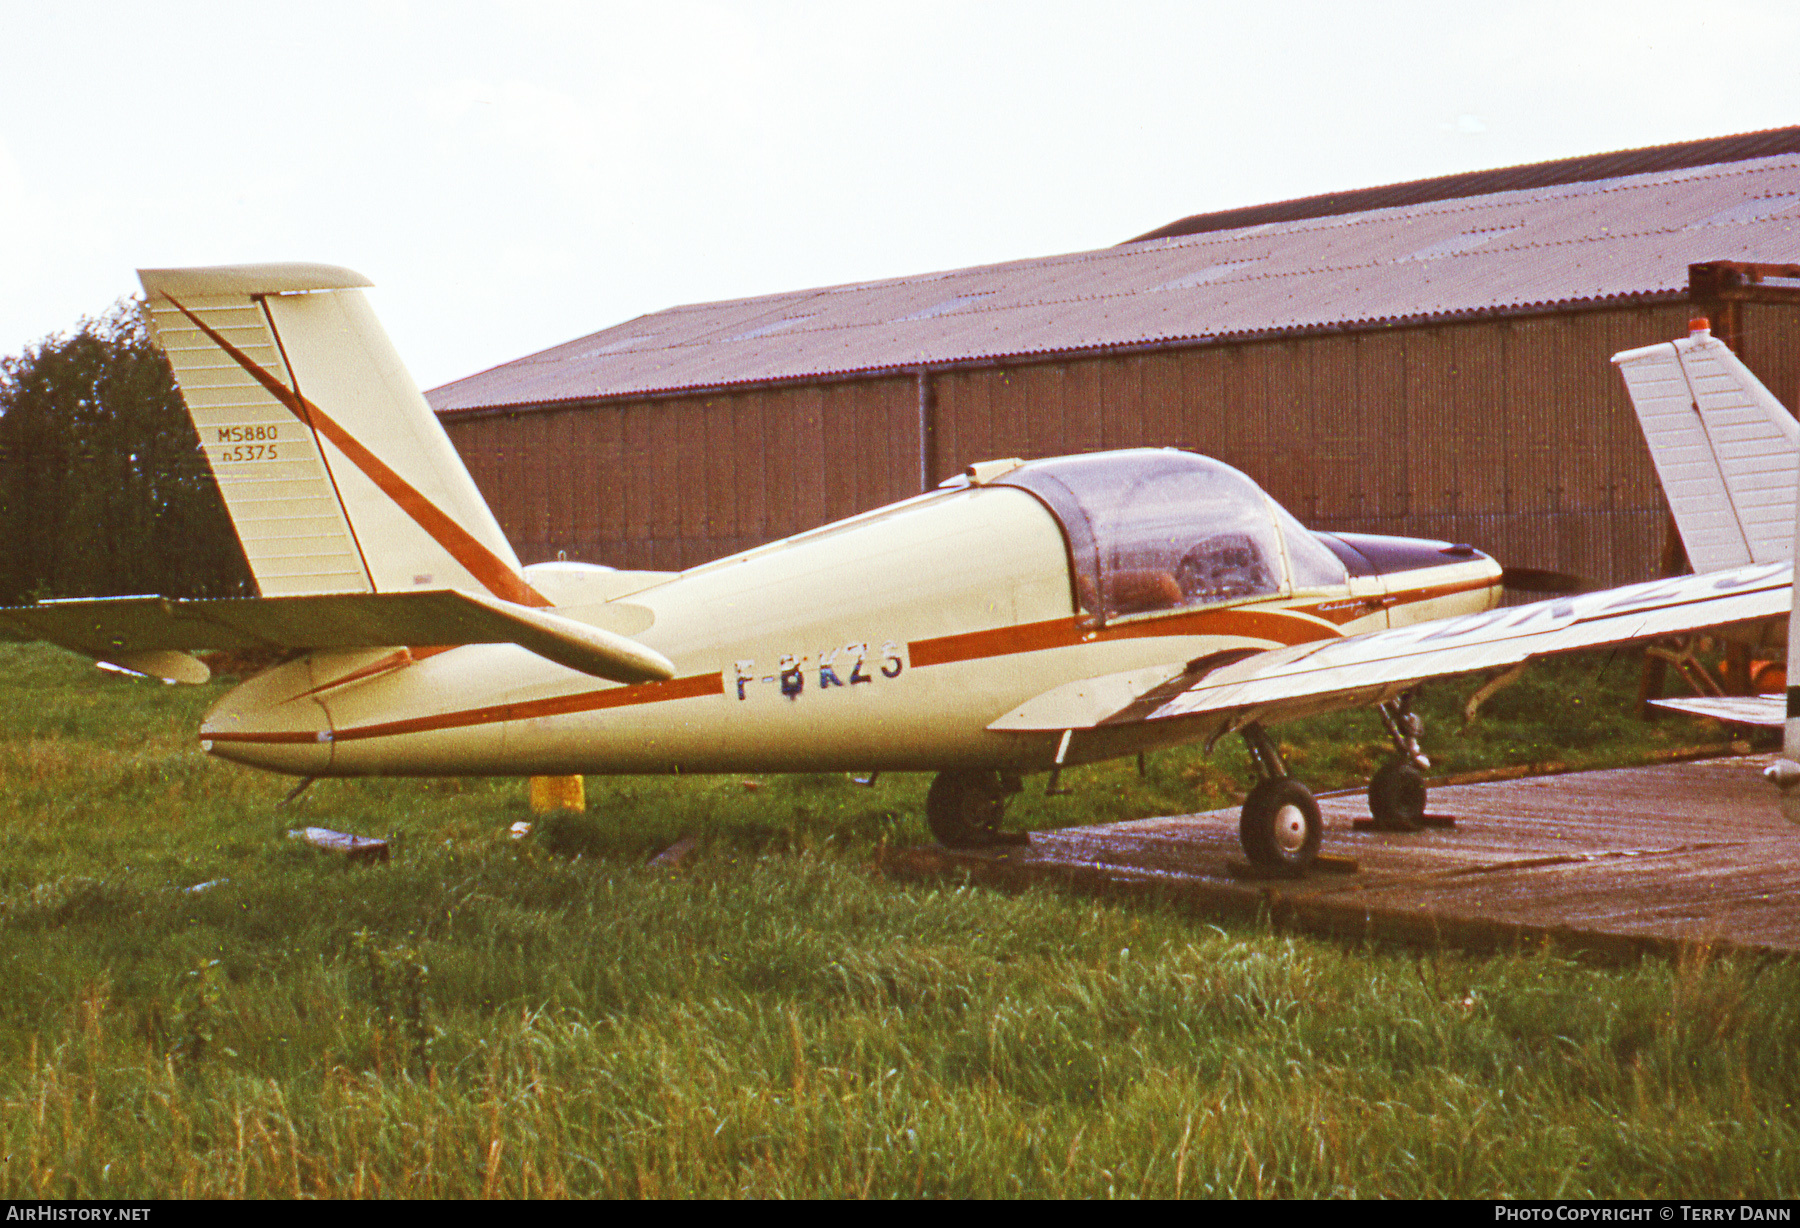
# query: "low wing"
(1323, 676)
(1309, 678)
(153, 634)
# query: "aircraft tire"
(1397, 796)
(1280, 825)
(963, 808)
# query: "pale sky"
(512, 176)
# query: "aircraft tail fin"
(1726, 451)
(337, 476)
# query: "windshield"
(1157, 529)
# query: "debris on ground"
(363, 850)
(677, 854)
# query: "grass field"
(485, 1016)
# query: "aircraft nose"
(1461, 553)
(1389, 556)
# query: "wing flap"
(113, 628)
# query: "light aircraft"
(1026, 616)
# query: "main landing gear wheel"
(1280, 825)
(1397, 796)
(963, 809)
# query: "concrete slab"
(1620, 862)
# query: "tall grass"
(484, 1016)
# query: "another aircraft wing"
(1768, 711)
(153, 634)
(1323, 676)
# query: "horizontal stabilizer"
(166, 664)
(126, 629)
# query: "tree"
(104, 489)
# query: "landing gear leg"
(1397, 790)
(964, 808)
(1280, 825)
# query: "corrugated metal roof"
(1567, 243)
(1709, 152)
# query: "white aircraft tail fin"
(337, 476)
(1728, 455)
(1727, 452)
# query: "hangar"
(1426, 358)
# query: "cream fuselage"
(890, 641)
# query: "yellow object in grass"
(557, 793)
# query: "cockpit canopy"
(1154, 529)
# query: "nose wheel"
(1397, 789)
(1397, 797)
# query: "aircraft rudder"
(337, 475)
(232, 376)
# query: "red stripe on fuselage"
(1289, 626)
(694, 686)
(398, 659)
(1279, 626)
(1342, 610)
